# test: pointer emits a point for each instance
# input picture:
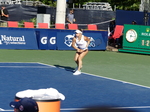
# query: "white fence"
(10, 1)
(97, 6)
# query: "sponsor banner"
(17, 38)
(98, 40)
(52, 40)
(42, 37)
(47, 39)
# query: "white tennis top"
(81, 44)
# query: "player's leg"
(80, 58)
(76, 59)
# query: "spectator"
(70, 17)
(134, 22)
(25, 105)
(112, 26)
(4, 16)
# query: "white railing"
(10, 1)
(97, 6)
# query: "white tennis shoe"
(77, 73)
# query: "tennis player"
(80, 43)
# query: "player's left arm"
(88, 40)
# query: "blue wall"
(126, 17)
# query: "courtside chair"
(118, 31)
(73, 26)
(28, 24)
(92, 27)
(59, 26)
(42, 25)
(12, 23)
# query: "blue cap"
(25, 105)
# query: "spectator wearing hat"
(25, 105)
(4, 16)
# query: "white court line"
(117, 80)
(24, 67)
(19, 62)
(47, 64)
(105, 77)
(67, 109)
(113, 80)
(142, 107)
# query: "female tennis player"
(80, 43)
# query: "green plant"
(21, 23)
(33, 20)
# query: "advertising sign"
(17, 39)
(47, 39)
(98, 40)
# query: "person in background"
(70, 17)
(4, 16)
(134, 22)
(80, 43)
(112, 26)
(24, 105)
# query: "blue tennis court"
(80, 91)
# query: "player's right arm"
(74, 45)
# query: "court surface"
(81, 91)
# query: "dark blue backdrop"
(126, 17)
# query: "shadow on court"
(67, 68)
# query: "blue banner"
(52, 44)
(64, 40)
(42, 37)
(17, 38)
(46, 39)
(98, 40)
